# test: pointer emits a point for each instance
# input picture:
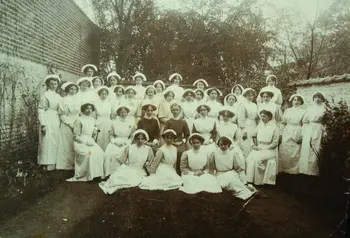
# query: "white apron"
(204, 126)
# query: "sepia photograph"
(174, 118)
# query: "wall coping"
(320, 81)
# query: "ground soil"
(82, 210)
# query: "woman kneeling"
(261, 162)
(88, 155)
(162, 171)
(134, 159)
(228, 165)
(194, 169)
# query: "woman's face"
(177, 80)
(113, 81)
(169, 97)
(189, 97)
(85, 85)
(97, 83)
(296, 101)
(318, 99)
(88, 110)
(138, 80)
(266, 97)
(118, 92)
(196, 144)
(149, 111)
(130, 94)
(249, 96)
(72, 90)
(53, 84)
(271, 82)
(265, 118)
(199, 96)
(237, 90)
(175, 110)
(123, 113)
(213, 95)
(223, 146)
(200, 85)
(103, 94)
(231, 100)
(169, 139)
(140, 140)
(150, 92)
(203, 111)
(226, 117)
(90, 72)
(159, 88)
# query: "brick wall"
(33, 34)
(45, 31)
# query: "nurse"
(213, 102)
(139, 78)
(271, 82)
(49, 132)
(175, 87)
(237, 90)
(89, 70)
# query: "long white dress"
(69, 110)
(277, 95)
(312, 134)
(262, 164)
(48, 117)
(89, 155)
(215, 107)
(229, 167)
(206, 126)
(122, 130)
(177, 90)
(163, 174)
(289, 150)
(189, 110)
(246, 118)
(103, 122)
(131, 172)
(192, 163)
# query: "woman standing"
(271, 81)
(261, 162)
(189, 107)
(194, 167)
(182, 131)
(213, 103)
(97, 82)
(246, 118)
(135, 161)
(201, 84)
(162, 171)
(268, 105)
(116, 101)
(289, 150)
(86, 94)
(164, 112)
(139, 78)
(312, 136)
(231, 101)
(103, 117)
(112, 79)
(205, 126)
(225, 126)
(89, 70)
(69, 110)
(120, 136)
(131, 102)
(175, 87)
(160, 87)
(237, 90)
(200, 97)
(49, 123)
(89, 156)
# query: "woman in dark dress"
(150, 125)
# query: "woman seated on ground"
(134, 160)
(194, 169)
(181, 129)
(162, 169)
(120, 136)
(229, 168)
(89, 156)
(150, 125)
(261, 162)
(205, 126)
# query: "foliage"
(335, 162)
(196, 43)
